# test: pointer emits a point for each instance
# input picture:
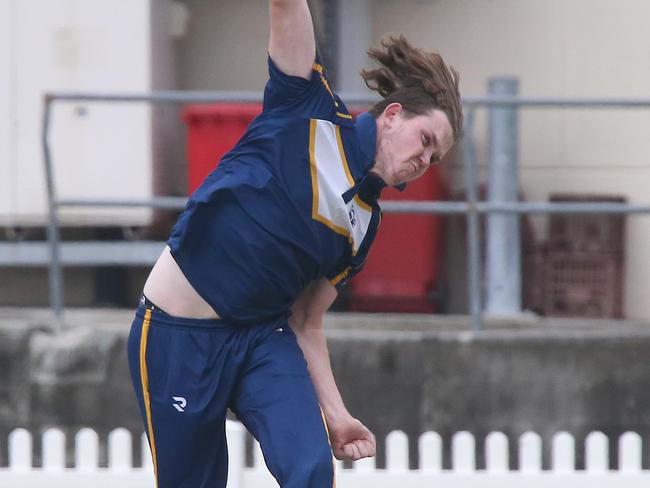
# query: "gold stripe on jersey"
(321, 71)
(360, 202)
(334, 281)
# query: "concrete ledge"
(413, 373)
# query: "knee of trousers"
(313, 470)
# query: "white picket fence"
(120, 473)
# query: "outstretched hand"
(352, 440)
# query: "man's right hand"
(352, 440)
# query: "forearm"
(314, 347)
(349, 438)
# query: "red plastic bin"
(213, 130)
(404, 267)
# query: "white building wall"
(6, 104)
(99, 150)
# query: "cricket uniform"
(291, 203)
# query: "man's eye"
(425, 139)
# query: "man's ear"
(392, 111)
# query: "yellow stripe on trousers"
(322, 415)
(144, 377)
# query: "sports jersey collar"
(369, 188)
(366, 128)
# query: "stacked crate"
(583, 265)
(532, 269)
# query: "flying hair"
(417, 79)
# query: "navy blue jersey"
(292, 202)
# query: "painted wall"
(581, 48)
(556, 48)
(225, 46)
(100, 150)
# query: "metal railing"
(472, 207)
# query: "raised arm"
(349, 438)
(292, 44)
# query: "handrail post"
(473, 229)
(503, 254)
(55, 274)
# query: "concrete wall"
(412, 373)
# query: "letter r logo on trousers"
(179, 404)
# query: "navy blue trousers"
(188, 372)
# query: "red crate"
(583, 285)
(586, 232)
(532, 266)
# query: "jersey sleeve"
(313, 97)
(343, 278)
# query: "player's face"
(408, 146)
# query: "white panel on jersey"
(331, 178)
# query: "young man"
(232, 312)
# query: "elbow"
(280, 4)
(297, 320)
(305, 322)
